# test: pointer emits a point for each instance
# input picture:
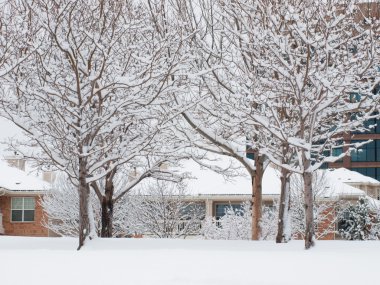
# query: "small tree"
(269, 221)
(160, 209)
(359, 222)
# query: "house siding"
(22, 228)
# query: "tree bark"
(283, 213)
(107, 210)
(309, 213)
(257, 197)
(84, 196)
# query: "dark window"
(367, 152)
(193, 209)
(355, 97)
(249, 153)
(23, 209)
(336, 152)
(220, 209)
(372, 126)
(373, 172)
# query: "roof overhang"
(7, 192)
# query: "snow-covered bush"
(236, 224)
(61, 206)
(269, 222)
(359, 221)
(160, 209)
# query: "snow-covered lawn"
(46, 261)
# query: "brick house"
(20, 211)
(215, 193)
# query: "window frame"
(23, 209)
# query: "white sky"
(7, 131)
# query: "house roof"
(336, 186)
(347, 176)
(13, 179)
(207, 182)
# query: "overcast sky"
(7, 131)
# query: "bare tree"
(291, 70)
(91, 95)
(210, 121)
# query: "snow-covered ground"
(46, 261)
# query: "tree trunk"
(107, 211)
(84, 196)
(309, 214)
(283, 231)
(257, 197)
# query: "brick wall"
(22, 228)
(326, 228)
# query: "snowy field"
(46, 261)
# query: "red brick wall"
(328, 224)
(22, 228)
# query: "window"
(23, 209)
(336, 151)
(355, 97)
(372, 126)
(368, 152)
(220, 209)
(373, 172)
(191, 210)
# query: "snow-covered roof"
(207, 182)
(335, 185)
(347, 176)
(14, 179)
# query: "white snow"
(348, 176)
(45, 261)
(207, 182)
(14, 179)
